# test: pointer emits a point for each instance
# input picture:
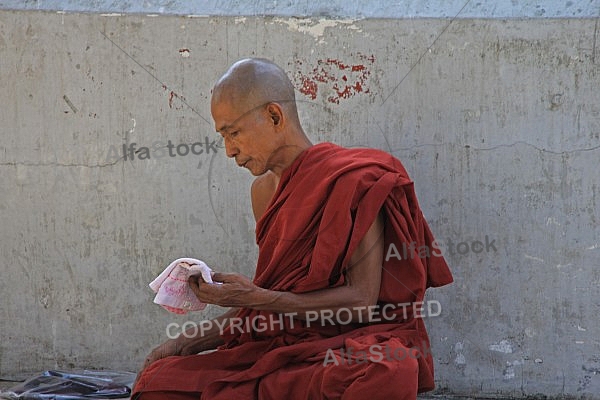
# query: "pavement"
(4, 385)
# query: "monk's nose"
(230, 149)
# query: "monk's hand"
(169, 348)
(235, 290)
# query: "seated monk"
(345, 257)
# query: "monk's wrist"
(267, 300)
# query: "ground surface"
(7, 384)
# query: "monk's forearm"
(196, 340)
(334, 299)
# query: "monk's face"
(250, 135)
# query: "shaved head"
(254, 108)
(253, 82)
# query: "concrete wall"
(498, 122)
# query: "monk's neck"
(286, 155)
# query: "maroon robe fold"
(324, 204)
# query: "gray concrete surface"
(6, 385)
(496, 120)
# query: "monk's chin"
(255, 172)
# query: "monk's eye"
(234, 134)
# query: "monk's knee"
(390, 379)
(160, 395)
(146, 396)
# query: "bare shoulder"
(261, 193)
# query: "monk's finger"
(195, 283)
(196, 280)
(205, 292)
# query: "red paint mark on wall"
(173, 95)
(341, 80)
(309, 88)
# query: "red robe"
(324, 204)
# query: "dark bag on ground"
(74, 385)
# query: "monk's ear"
(275, 113)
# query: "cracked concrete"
(497, 121)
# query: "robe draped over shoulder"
(324, 204)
